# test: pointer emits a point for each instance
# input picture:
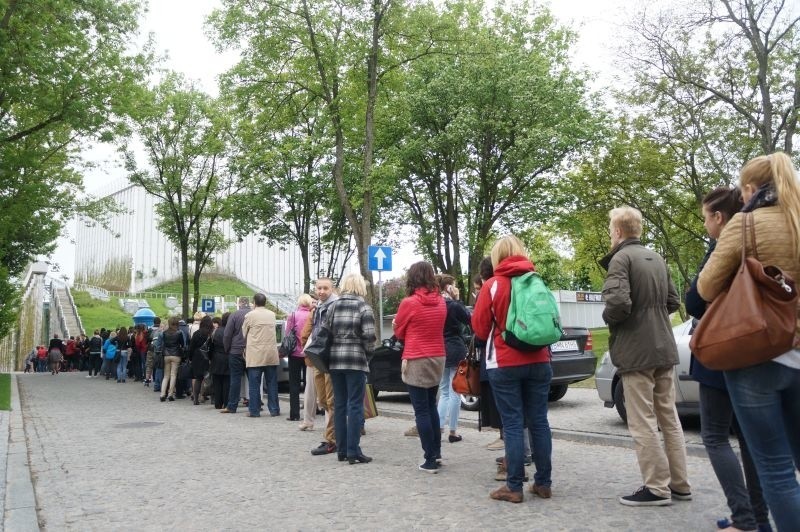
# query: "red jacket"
(419, 324)
(491, 311)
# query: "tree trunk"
(197, 271)
(185, 279)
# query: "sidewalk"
(19, 503)
(110, 456)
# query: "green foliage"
(210, 284)
(96, 314)
(66, 75)
(394, 290)
(185, 135)
(5, 391)
(486, 128)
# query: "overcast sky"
(177, 26)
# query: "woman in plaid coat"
(352, 325)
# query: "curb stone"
(19, 512)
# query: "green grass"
(599, 347)
(96, 314)
(109, 314)
(5, 391)
(212, 284)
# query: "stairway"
(68, 311)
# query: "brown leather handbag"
(753, 321)
(467, 379)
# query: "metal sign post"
(380, 306)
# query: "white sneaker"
(88, 376)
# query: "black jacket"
(217, 354)
(454, 324)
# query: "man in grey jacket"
(639, 297)
(234, 343)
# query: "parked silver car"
(609, 385)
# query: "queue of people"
(760, 403)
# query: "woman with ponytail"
(766, 397)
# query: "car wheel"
(619, 401)
(557, 391)
(470, 402)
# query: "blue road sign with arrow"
(380, 258)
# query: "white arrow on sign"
(380, 255)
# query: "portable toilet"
(145, 316)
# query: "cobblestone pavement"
(107, 456)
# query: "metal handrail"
(54, 298)
(81, 330)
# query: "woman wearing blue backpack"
(520, 378)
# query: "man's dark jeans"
(427, 417)
(236, 366)
(270, 382)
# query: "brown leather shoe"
(504, 494)
(542, 491)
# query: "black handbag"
(289, 341)
(319, 350)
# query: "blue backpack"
(111, 351)
(533, 319)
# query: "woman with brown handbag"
(743, 494)
(766, 397)
(456, 320)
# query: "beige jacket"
(258, 331)
(774, 245)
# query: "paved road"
(107, 456)
(580, 410)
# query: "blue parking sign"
(207, 306)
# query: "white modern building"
(141, 257)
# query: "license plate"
(564, 345)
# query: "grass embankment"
(96, 314)
(5, 391)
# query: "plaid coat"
(353, 326)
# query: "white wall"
(142, 246)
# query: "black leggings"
(221, 387)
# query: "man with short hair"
(234, 344)
(639, 297)
(322, 381)
(261, 356)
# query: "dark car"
(572, 360)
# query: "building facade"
(134, 255)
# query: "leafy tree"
(66, 76)
(286, 193)
(490, 126)
(340, 54)
(186, 142)
(734, 63)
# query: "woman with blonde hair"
(520, 379)
(352, 325)
(296, 359)
(766, 397)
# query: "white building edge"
(141, 256)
